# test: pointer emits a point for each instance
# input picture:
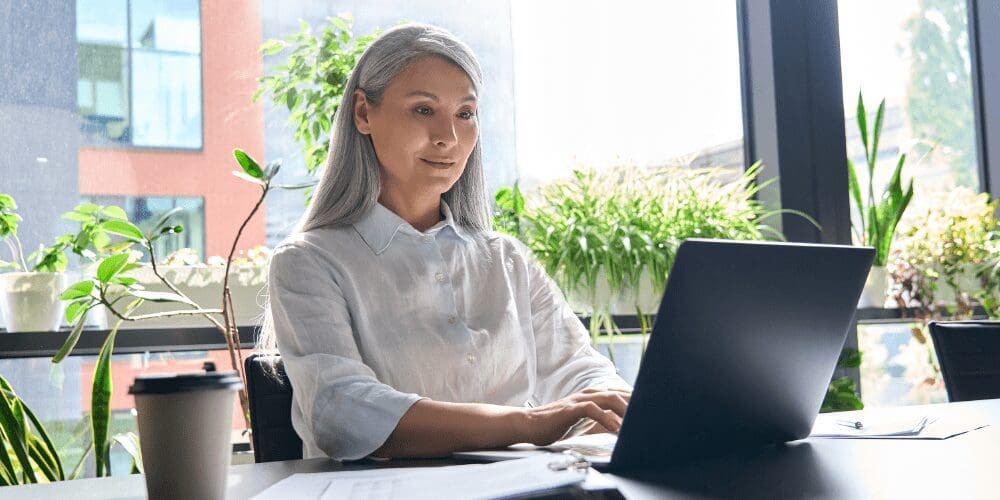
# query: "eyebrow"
(429, 95)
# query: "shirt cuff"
(356, 421)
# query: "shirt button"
(427, 239)
(451, 320)
(440, 277)
(471, 358)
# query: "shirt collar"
(379, 226)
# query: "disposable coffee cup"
(184, 432)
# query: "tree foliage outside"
(311, 81)
(939, 93)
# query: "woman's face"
(424, 129)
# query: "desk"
(963, 467)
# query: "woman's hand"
(549, 423)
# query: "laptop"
(742, 350)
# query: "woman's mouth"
(438, 163)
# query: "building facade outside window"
(140, 73)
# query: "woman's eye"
(423, 110)
(466, 115)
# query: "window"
(140, 73)
(915, 55)
(600, 84)
(144, 211)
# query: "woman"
(407, 328)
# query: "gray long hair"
(350, 185)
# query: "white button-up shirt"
(372, 317)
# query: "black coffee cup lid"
(169, 383)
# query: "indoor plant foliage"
(608, 238)
(114, 288)
(29, 294)
(311, 81)
(877, 216)
(202, 282)
(943, 267)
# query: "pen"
(851, 423)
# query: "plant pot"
(876, 288)
(644, 297)
(203, 285)
(586, 300)
(30, 301)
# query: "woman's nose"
(443, 134)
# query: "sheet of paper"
(460, 481)
(891, 425)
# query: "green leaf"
(130, 442)
(77, 216)
(71, 340)
(877, 133)
(78, 290)
(87, 208)
(160, 297)
(7, 201)
(248, 164)
(111, 266)
(114, 212)
(272, 47)
(248, 178)
(100, 406)
(849, 358)
(164, 219)
(12, 424)
(50, 448)
(855, 189)
(862, 117)
(74, 310)
(123, 228)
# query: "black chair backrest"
(270, 395)
(969, 353)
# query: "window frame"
(131, 146)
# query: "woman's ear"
(361, 112)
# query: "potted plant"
(202, 282)
(29, 295)
(113, 287)
(877, 218)
(608, 239)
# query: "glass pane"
(102, 22)
(102, 86)
(102, 94)
(145, 211)
(915, 54)
(60, 396)
(166, 26)
(166, 99)
(897, 368)
(598, 85)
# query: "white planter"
(586, 300)
(876, 288)
(30, 301)
(203, 285)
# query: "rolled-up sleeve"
(346, 411)
(566, 361)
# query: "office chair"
(969, 353)
(271, 410)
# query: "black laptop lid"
(746, 339)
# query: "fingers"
(606, 418)
(615, 400)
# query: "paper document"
(887, 425)
(501, 479)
